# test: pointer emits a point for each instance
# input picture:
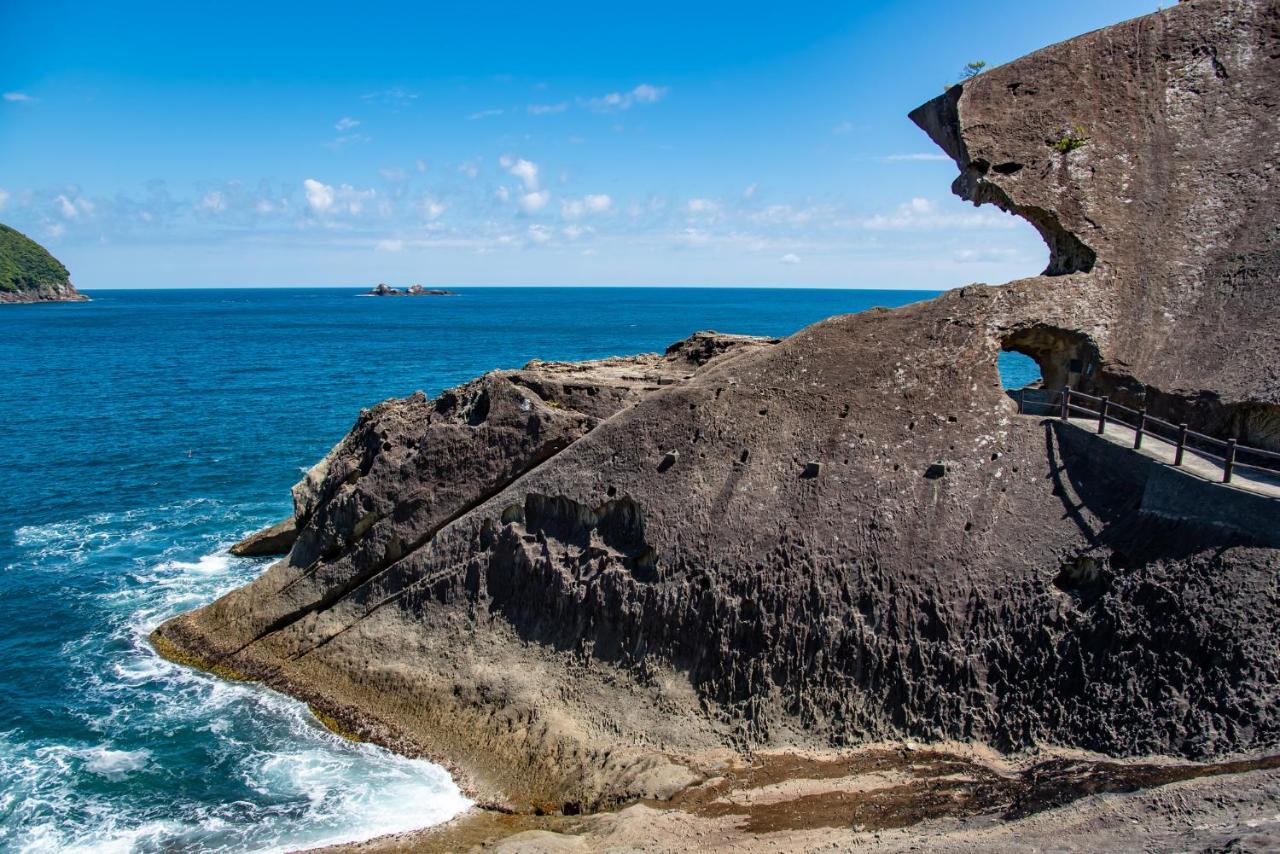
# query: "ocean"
(145, 432)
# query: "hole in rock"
(1038, 361)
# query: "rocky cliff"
(1146, 155)
(575, 582)
(28, 273)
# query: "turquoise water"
(147, 431)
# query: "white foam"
(313, 788)
(115, 764)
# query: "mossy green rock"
(28, 273)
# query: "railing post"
(1140, 429)
(1182, 444)
(1066, 402)
(1102, 415)
(1230, 462)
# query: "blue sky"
(236, 144)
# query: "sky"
(153, 144)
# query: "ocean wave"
(165, 757)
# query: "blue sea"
(145, 432)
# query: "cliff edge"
(28, 273)
(579, 584)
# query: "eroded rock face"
(573, 580)
(1147, 155)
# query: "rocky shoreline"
(29, 274)
(594, 585)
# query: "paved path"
(1243, 477)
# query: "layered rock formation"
(576, 582)
(28, 273)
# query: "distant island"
(384, 290)
(28, 273)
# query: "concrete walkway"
(1245, 478)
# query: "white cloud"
(73, 208)
(646, 94)
(432, 208)
(422, 165)
(522, 169)
(547, 109)
(642, 94)
(749, 192)
(346, 123)
(213, 202)
(470, 168)
(791, 215)
(843, 129)
(396, 96)
(574, 231)
(390, 245)
(539, 234)
(702, 207)
(57, 229)
(393, 175)
(923, 214)
(325, 199)
(340, 142)
(503, 193)
(484, 114)
(319, 196)
(590, 204)
(986, 255)
(535, 201)
(790, 258)
(264, 206)
(909, 158)
(18, 97)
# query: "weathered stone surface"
(571, 580)
(1160, 219)
(275, 540)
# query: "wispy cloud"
(547, 109)
(985, 255)
(396, 96)
(842, 129)
(345, 124)
(790, 259)
(484, 114)
(914, 158)
(213, 202)
(645, 93)
(924, 214)
(340, 142)
(18, 97)
(587, 205)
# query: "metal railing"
(1229, 453)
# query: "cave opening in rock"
(1038, 361)
(1066, 358)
